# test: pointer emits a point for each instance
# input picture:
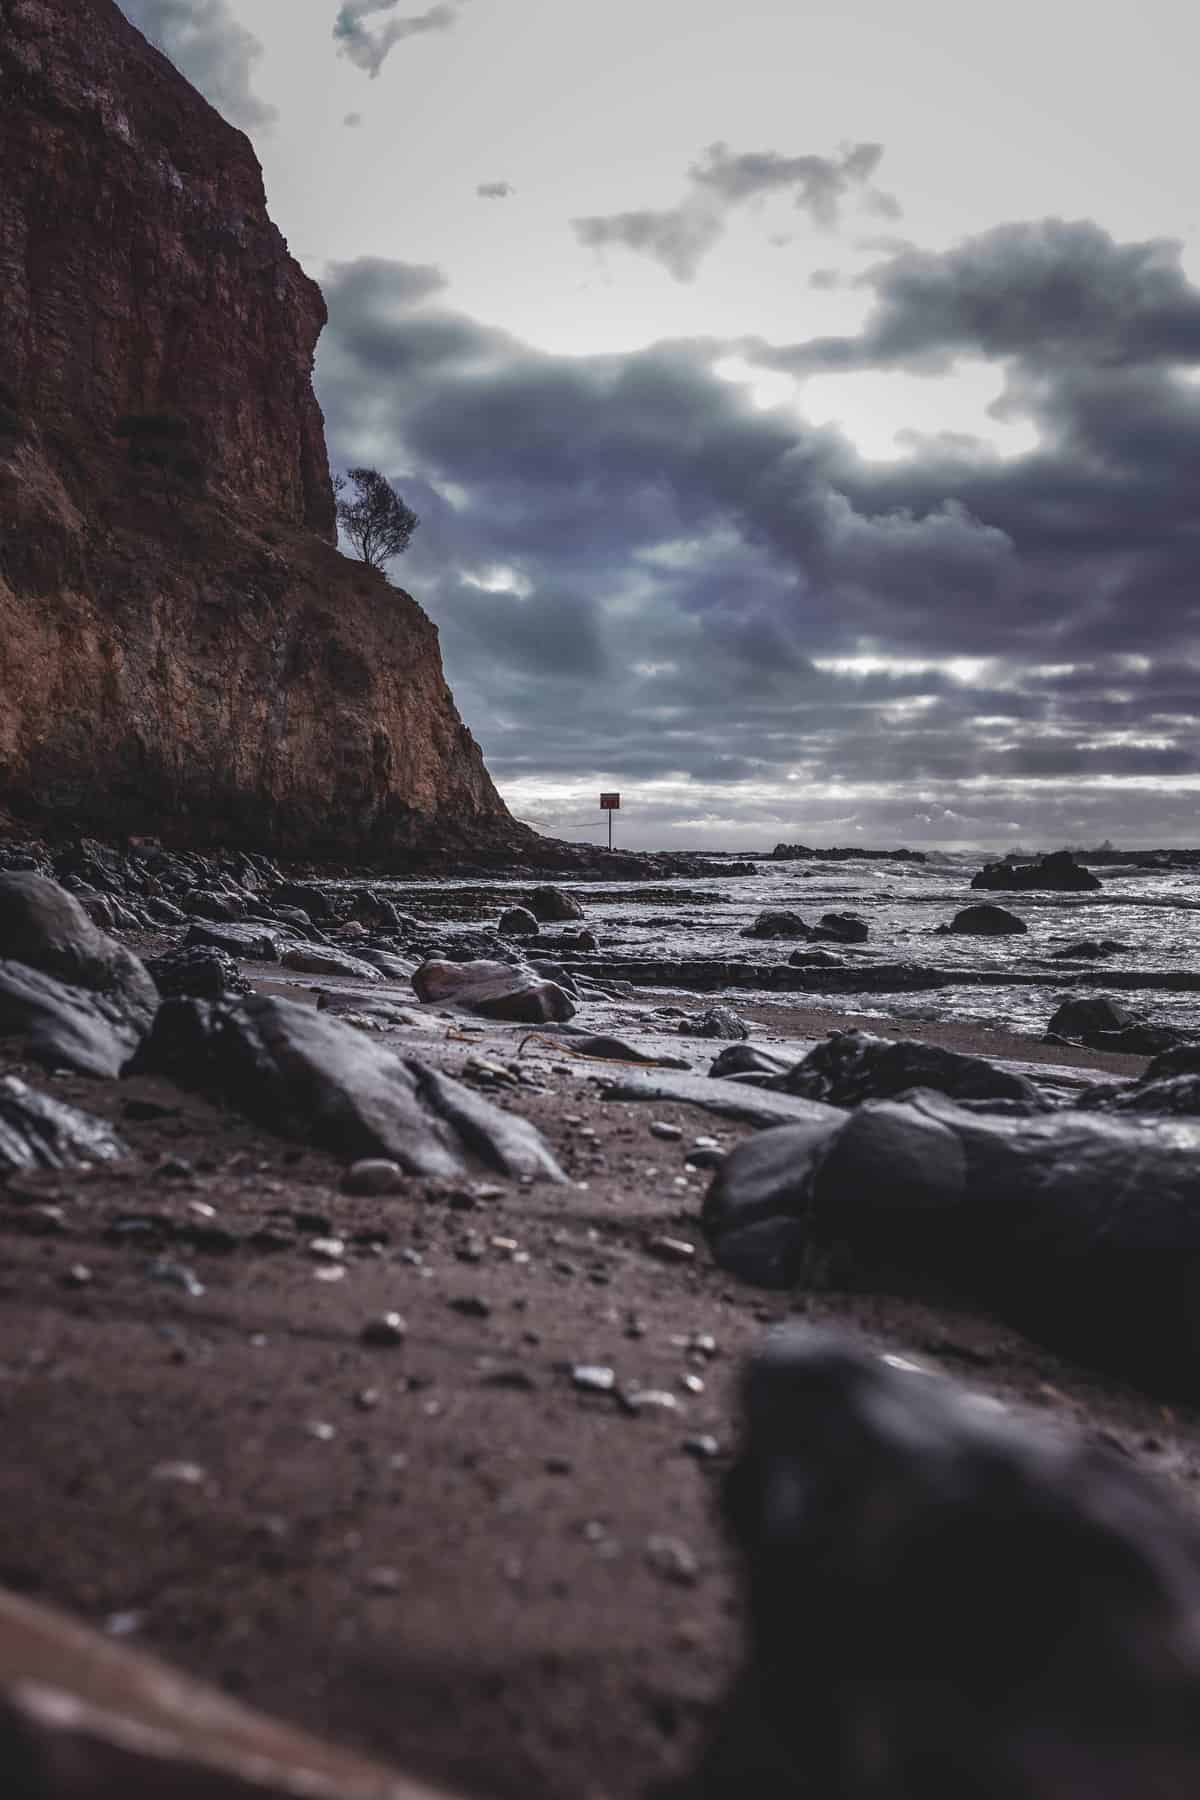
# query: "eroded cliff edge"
(183, 652)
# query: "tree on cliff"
(376, 521)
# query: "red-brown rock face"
(182, 650)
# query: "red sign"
(610, 803)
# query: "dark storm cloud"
(369, 45)
(208, 45)
(495, 190)
(635, 571)
(680, 237)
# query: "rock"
(985, 921)
(45, 928)
(815, 959)
(660, 1128)
(1178, 1096)
(371, 908)
(747, 1059)
(324, 959)
(714, 1022)
(572, 941)
(219, 907)
(777, 923)
(257, 943)
(754, 1212)
(37, 1132)
(199, 971)
(308, 1076)
(1088, 950)
(881, 1508)
(852, 1066)
(1103, 1025)
(162, 911)
(549, 905)
(62, 1026)
(392, 968)
(493, 991)
(299, 896)
(727, 1098)
(517, 922)
(841, 928)
(1057, 873)
(374, 1175)
(385, 1332)
(613, 1049)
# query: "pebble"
(384, 1580)
(670, 1249)
(373, 1175)
(703, 1448)
(189, 1474)
(705, 1159)
(670, 1134)
(384, 1332)
(330, 1272)
(694, 1384)
(673, 1560)
(176, 1275)
(367, 1399)
(638, 1400)
(593, 1378)
(321, 1430)
(471, 1306)
(327, 1249)
(77, 1276)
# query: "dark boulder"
(37, 1132)
(1056, 873)
(326, 959)
(755, 1212)
(941, 1603)
(216, 905)
(64, 1027)
(852, 1066)
(1088, 950)
(777, 923)
(551, 906)
(307, 1075)
(517, 922)
(200, 972)
(985, 921)
(747, 1059)
(565, 943)
(44, 927)
(714, 1022)
(1103, 1025)
(257, 943)
(841, 928)
(311, 901)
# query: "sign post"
(610, 803)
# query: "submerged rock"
(777, 923)
(853, 1066)
(841, 928)
(37, 1132)
(941, 1603)
(1057, 872)
(985, 921)
(1087, 950)
(309, 1076)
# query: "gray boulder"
(551, 906)
(841, 928)
(1103, 1025)
(494, 991)
(257, 943)
(713, 1022)
(941, 1603)
(1087, 950)
(985, 920)
(324, 959)
(37, 1132)
(307, 1075)
(63, 1026)
(44, 927)
(517, 922)
(852, 1066)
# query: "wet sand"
(441, 1552)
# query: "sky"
(801, 404)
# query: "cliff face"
(182, 650)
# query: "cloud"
(639, 575)
(495, 190)
(208, 45)
(680, 237)
(368, 46)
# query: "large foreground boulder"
(44, 927)
(1056, 873)
(942, 1604)
(64, 1027)
(852, 1066)
(307, 1075)
(37, 1132)
(493, 990)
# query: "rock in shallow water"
(777, 922)
(853, 1066)
(985, 921)
(1103, 1025)
(37, 1132)
(941, 1604)
(308, 1076)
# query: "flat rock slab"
(323, 959)
(309, 1076)
(37, 1132)
(255, 942)
(63, 1026)
(753, 1105)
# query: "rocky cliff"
(183, 652)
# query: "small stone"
(330, 1272)
(327, 1249)
(694, 1384)
(373, 1175)
(669, 1249)
(321, 1430)
(558, 1465)
(670, 1134)
(673, 1560)
(188, 1474)
(703, 1448)
(703, 1344)
(367, 1399)
(384, 1332)
(639, 1400)
(471, 1306)
(705, 1159)
(200, 1209)
(177, 1275)
(43, 1221)
(593, 1378)
(384, 1580)
(77, 1276)
(175, 1168)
